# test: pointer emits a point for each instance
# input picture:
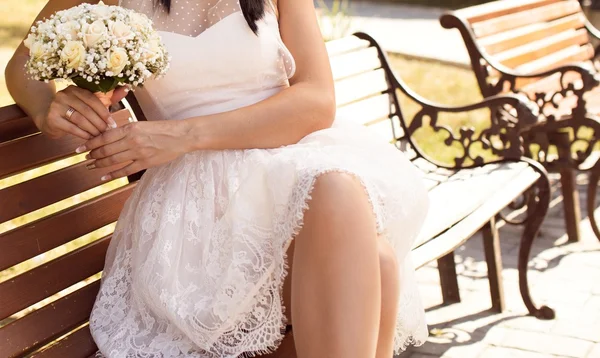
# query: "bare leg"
(336, 282)
(390, 294)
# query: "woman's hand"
(141, 144)
(79, 112)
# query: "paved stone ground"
(412, 30)
(564, 276)
(409, 30)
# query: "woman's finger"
(114, 159)
(96, 105)
(132, 168)
(86, 111)
(119, 94)
(109, 149)
(68, 127)
(57, 123)
(82, 122)
(103, 139)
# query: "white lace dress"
(197, 261)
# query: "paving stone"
(578, 329)
(416, 355)
(473, 350)
(496, 335)
(595, 352)
(546, 343)
(432, 349)
(501, 352)
(528, 323)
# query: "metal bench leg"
(493, 258)
(594, 178)
(571, 204)
(569, 188)
(448, 278)
(537, 207)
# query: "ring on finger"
(69, 113)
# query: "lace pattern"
(197, 263)
(187, 17)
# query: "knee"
(339, 192)
(389, 268)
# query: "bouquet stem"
(105, 98)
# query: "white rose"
(117, 59)
(102, 11)
(120, 30)
(137, 22)
(152, 50)
(37, 50)
(70, 28)
(94, 33)
(29, 41)
(74, 54)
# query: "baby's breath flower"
(96, 43)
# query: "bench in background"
(466, 195)
(543, 48)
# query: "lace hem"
(141, 314)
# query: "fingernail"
(105, 178)
(127, 89)
(111, 123)
(80, 149)
(91, 166)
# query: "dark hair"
(253, 10)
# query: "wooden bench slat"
(19, 127)
(355, 63)
(360, 87)
(52, 231)
(498, 43)
(17, 199)
(78, 344)
(49, 322)
(457, 234)
(366, 111)
(500, 8)
(383, 129)
(566, 56)
(11, 112)
(345, 45)
(512, 21)
(25, 290)
(36, 150)
(541, 48)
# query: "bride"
(258, 211)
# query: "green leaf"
(105, 85)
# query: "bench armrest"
(510, 115)
(591, 29)
(595, 33)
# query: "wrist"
(193, 133)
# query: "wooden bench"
(542, 48)
(466, 196)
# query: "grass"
(16, 19)
(446, 85)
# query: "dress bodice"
(218, 67)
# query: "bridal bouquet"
(97, 47)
